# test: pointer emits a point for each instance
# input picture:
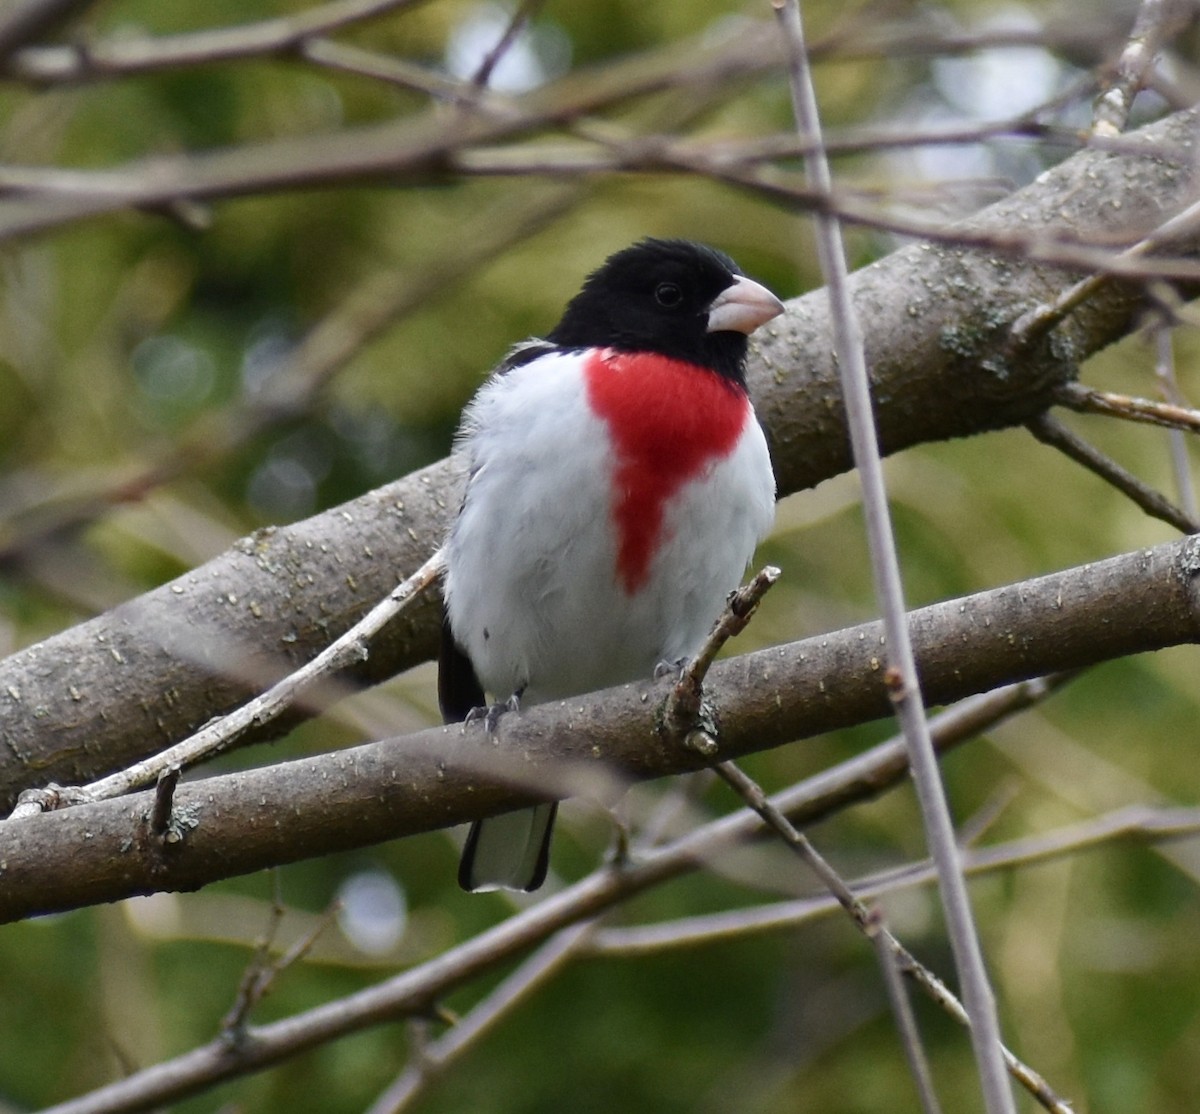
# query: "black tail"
(511, 851)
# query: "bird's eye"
(668, 295)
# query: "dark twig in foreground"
(1050, 431)
(869, 925)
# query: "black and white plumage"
(618, 483)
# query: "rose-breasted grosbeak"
(618, 483)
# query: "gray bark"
(237, 823)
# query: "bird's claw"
(491, 713)
(670, 669)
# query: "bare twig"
(1037, 322)
(351, 58)
(262, 971)
(902, 1011)
(160, 819)
(1150, 29)
(410, 150)
(902, 671)
(221, 733)
(1141, 823)
(132, 54)
(128, 53)
(434, 1057)
(867, 923)
(1164, 370)
(1086, 400)
(517, 23)
(233, 1024)
(1052, 432)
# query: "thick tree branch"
(107, 692)
(416, 990)
(241, 822)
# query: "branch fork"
(685, 714)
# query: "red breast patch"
(668, 420)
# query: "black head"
(671, 297)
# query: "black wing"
(459, 689)
(526, 352)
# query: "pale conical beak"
(742, 307)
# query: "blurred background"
(169, 381)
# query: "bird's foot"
(491, 713)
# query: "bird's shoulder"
(525, 352)
(534, 402)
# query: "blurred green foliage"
(122, 338)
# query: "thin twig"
(436, 1056)
(1164, 370)
(864, 920)
(682, 714)
(1151, 27)
(902, 671)
(1037, 322)
(1135, 822)
(128, 53)
(409, 150)
(233, 1024)
(262, 972)
(220, 734)
(160, 818)
(351, 58)
(517, 23)
(1087, 400)
(1050, 431)
(902, 1011)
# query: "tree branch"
(412, 992)
(133, 54)
(936, 319)
(237, 823)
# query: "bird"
(618, 483)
